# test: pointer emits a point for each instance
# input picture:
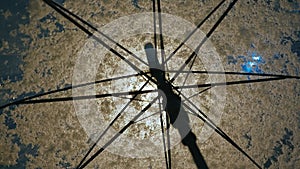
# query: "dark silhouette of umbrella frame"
(157, 76)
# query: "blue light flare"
(250, 63)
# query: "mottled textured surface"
(38, 49)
